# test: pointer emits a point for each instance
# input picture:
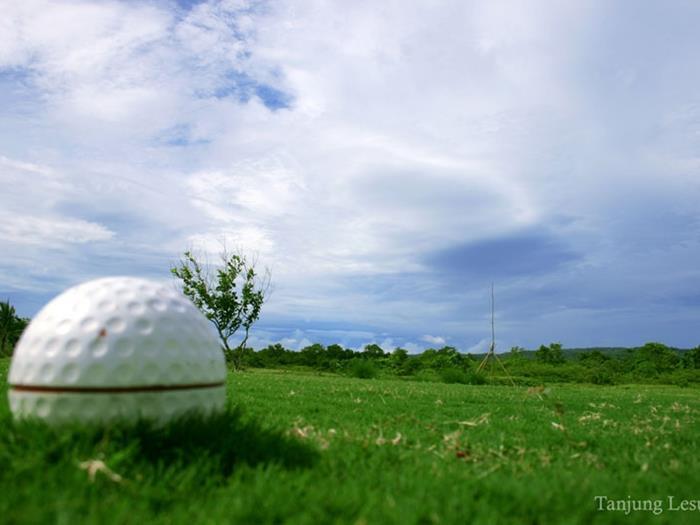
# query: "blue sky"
(386, 164)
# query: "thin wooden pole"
(492, 346)
(491, 354)
(493, 324)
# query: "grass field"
(306, 448)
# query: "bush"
(681, 377)
(427, 374)
(652, 359)
(454, 375)
(551, 354)
(362, 369)
(410, 366)
(601, 376)
(476, 378)
(11, 328)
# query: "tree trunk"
(239, 351)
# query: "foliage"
(11, 328)
(651, 363)
(362, 369)
(551, 354)
(478, 378)
(231, 298)
(397, 360)
(373, 351)
(312, 355)
(454, 375)
(691, 359)
(273, 355)
(652, 359)
(516, 353)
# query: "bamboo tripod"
(491, 354)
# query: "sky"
(386, 163)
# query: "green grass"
(310, 448)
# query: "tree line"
(650, 363)
(11, 328)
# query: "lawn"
(307, 448)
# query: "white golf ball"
(117, 348)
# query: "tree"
(516, 354)
(274, 355)
(312, 355)
(592, 358)
(691, 359)
(653, 358)
(448, 356)
(231, 298)
(11, 328)
(398, 356)
(337, 352)
(373, 351)
(551, 354)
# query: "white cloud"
(479, 348)
(27, 167)
(413, 348)
(49, 231)
(40, 224)
(434, 339)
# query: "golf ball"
(117, 348)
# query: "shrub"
(551, 354)
(410, 366)
(601, 376)
(476, 378)
(427, 374)
(681, 377)
(11, 328)
(454, 375)
(362, 369)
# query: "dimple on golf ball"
(117, 348)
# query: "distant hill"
(612, 351)
(573, 353)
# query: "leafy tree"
(313, 355)
(337, 352)
(516, 354)
(11, 328)
(427, 358)
(691, 359)
(551, 354)
(594, 357)
(445, 357)
(448, 356)
(231, 298)
(653, 358)
(249, 357)
(410, 366)
(398, 356)
(543, 354)
(373, 351)
(275, 355)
